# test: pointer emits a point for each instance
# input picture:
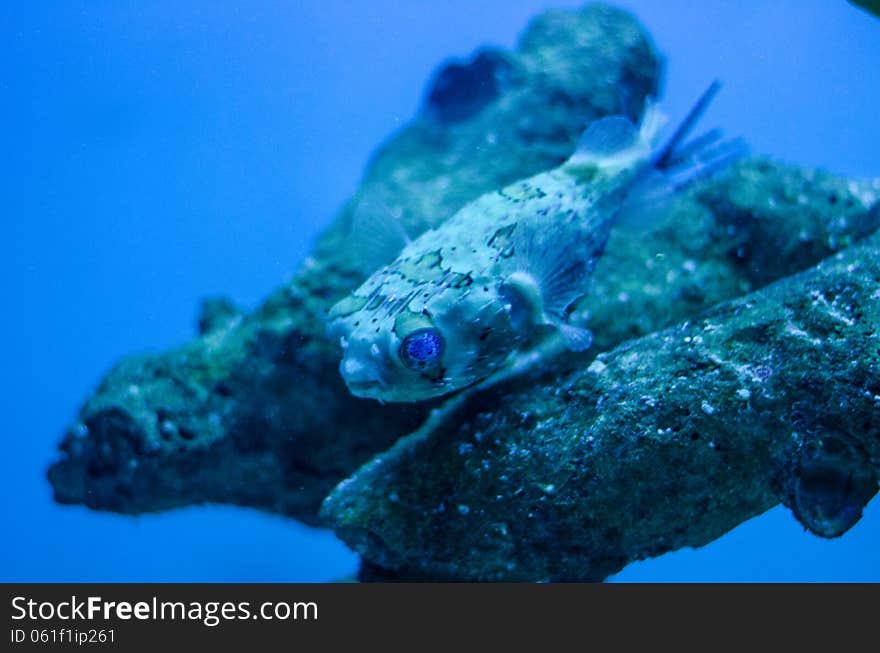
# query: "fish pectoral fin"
(576, 338)
(378, 234)
(527, 303)
(522, 293)
(559, 261)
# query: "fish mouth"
(364, 388)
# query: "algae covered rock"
(254, 412)
(666, 441)
(737, 232)
(738, 325)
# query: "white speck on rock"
(597, 367)
(743, 393)
(707, 408)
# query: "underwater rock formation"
(586, 463)
(254, 411)
(666, 441)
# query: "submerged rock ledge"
(666, 441)
(669, 439)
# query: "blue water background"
(154, 153)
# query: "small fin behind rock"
(377, 234)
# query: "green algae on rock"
(667, 441)
(254, 411)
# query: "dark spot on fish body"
(348, 306)
(460, 280)
(502, 240)
(430, 260)
(435, 376)
(375, 302)
(399, 304)
(502, 233)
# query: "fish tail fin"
(683, 161)
(667, 151)
(705, 162)
(679, 162)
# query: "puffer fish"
(462, 303)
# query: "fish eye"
(421, 349)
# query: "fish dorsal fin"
(377, 234)
(606, 141)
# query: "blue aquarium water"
(156, 153)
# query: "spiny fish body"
(459, 303)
